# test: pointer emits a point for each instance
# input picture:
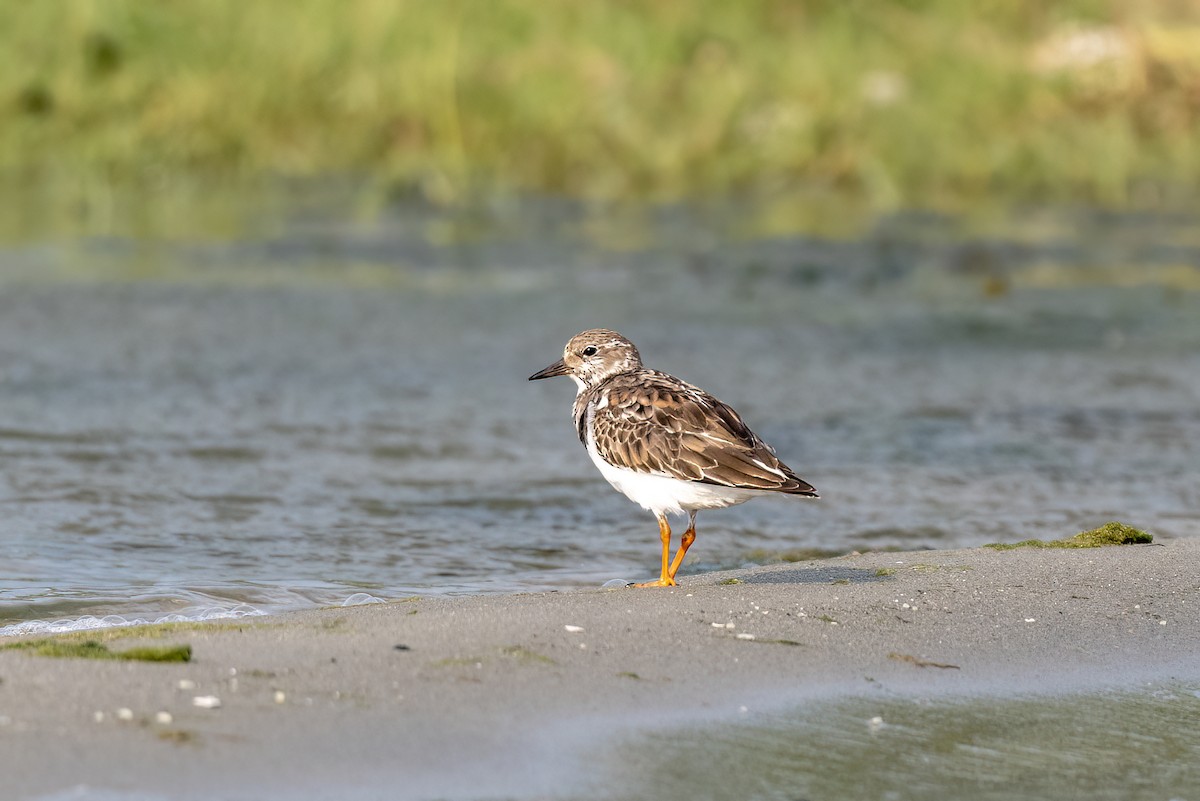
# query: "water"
(1114, 745)
(330, 402)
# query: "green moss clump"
(730, 581)
(885, 571)
(1113, 533)
(158, 630)
(91, 649)
(164, 653)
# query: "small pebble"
(574, 629)
(280, 696)
(163, 718)
(98, 716)
(124, 713)
(875, 723)
(187, 684)
(206, 701)
(1162, 622)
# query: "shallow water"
(330, 404)
(1108, 746)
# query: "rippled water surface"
(1109, 746)
(331, 403)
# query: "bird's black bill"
(558, 368)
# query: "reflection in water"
(1103, 747)
(281, 417)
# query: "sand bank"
(521, 695)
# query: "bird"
(667, 445)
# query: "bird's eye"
(590, 350)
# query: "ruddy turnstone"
(668, 446)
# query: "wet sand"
(524, 695)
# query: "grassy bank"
(930, 102)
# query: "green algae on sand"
(91, 649)
(1113, 533)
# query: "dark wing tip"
(800, 486)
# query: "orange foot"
(665, 581)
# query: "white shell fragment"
(164, 718)
(574, 629)
(124, 713)
(206, 701)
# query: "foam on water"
(362, 599)
(91, 622)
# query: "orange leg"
(689, 537)
(666, 578)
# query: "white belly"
(666, 495)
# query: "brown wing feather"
(653, 423)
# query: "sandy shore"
(520, 695)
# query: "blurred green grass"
(938, 103)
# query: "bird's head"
(592, 357)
